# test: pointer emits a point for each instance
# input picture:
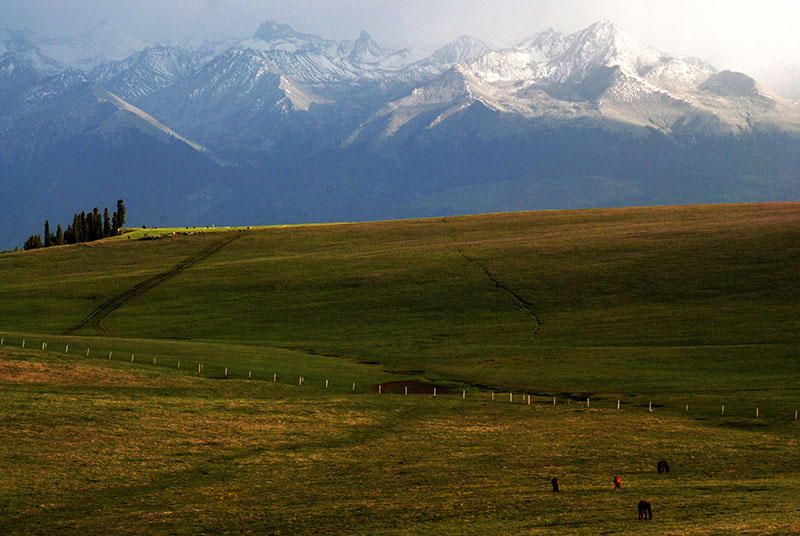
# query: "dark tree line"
(85, 227)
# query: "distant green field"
(670, 306)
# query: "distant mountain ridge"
(286, 126)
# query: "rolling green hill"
(676, 306)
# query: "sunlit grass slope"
(91, 446)
(676, 306)
(681, 300)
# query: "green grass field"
(672, 306)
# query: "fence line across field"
(526, 399)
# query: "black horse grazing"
(663, 467)
(645, 512)
(554, 483)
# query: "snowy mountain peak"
(365, 49)
(272, 31)
(604, 43)
(463, 49)
(545, 45)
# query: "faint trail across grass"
(521, 303)
(101, 312)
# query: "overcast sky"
(743, 35)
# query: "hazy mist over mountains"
(287, 126)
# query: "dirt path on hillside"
(101, 312)
(521, 303)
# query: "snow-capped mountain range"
(319, 129)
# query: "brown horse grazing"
(645, 512)
(554, 483)
(617, 482)
(663, 467)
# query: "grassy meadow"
(669, 306)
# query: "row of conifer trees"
(85, 227)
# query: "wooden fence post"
(354, 387)
(405, 390)
(23, 343)
(756, 413)
(617, 403)
(510, 397)
(132, 358)
(463, 394)
(723, 409)
(379, 388)
(109, 355)
(275, 377)
(179, 363)
(434, 391)
(87, 352)
(554, 401)
(249, 374)
(587, 401)
(686, 409)
(226, 372)
(326, 384)
(492, 395)
(66, 349)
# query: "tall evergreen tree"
(118, 220)
(96, 231)
(34, 242)
(77, 229)
(106, 224)
(59, 241)
(85, 232)
(48, 238)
